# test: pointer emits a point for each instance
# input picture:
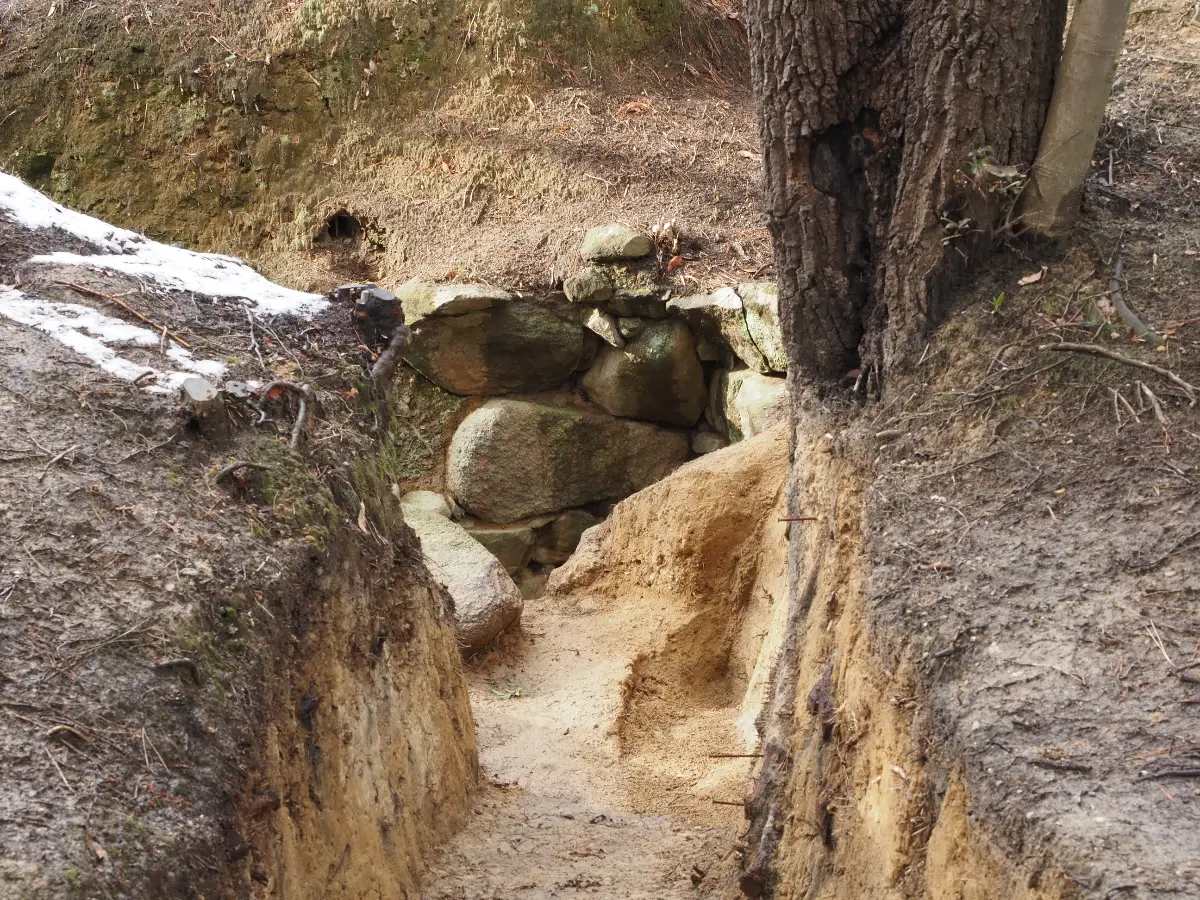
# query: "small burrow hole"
(341, 227)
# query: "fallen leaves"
(1032, 277)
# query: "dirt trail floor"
(602, 762)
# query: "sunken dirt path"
(556, 818)
(598, 721)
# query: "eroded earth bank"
(574, 590)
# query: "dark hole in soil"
(36, 169)
(341, 227)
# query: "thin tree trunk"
(1052, 198)
(869, 110)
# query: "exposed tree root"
(1188, 388)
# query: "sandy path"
(598, 721)
(558, 818)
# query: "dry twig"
(1059, 766)
(146, 449)
(1175, 548)
(304, 392)
(1171, 773)
(735, 756)
(58, 769)
(100, 295)
(1154, 404)
(254, 341)
(146, 738)
(1154, 636)
(1117, 395)
(57, 457)
(59, 731)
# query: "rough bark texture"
(869, 110)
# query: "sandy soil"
(595, 785)
(1031, 549)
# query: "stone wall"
(582, 397)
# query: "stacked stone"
(585, 397)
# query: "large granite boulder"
(512, 460)
(429, 502)
(486, 600)
(615, 242)
(422, 298)
(658, 376)
(507, 348)
(744, 403)
(719, 320)
(760, 299)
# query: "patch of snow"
(203, 273)
(31, 208)
(134, 254)
(209, 368)
(90, 333)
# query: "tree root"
(1094, 350)
(181, 663)
(1128, 316)
(385, 368)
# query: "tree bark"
(869, 110)
(1051, 200)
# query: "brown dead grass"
(481, 151)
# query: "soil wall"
(368, 752)
(215, 681)
(431, 129)
(854, 798)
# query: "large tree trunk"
(869, 111)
